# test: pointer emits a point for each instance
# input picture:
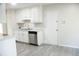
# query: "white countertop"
(7, 46)
(30, 30)
(5, 37)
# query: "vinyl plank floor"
(24, 49)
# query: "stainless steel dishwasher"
(33, 37)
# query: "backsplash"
(28, 25)
(25, 24)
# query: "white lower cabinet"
(26, 37)
(40, 37)
(23, 36)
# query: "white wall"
(68, 34)
(50, 17)
(69, 31)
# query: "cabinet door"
(18, 36)
(37, 15)
(19, 15)
(22, 36)
(40, 37)
(34, 14)
(23, 14)
(25, 37)
(27, 13)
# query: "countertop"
(30, 30)
(5, 37)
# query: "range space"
(33, 37)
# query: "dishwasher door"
(33, 37)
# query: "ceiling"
(23, 5)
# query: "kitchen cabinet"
(40, 37)
(23, 36)
(37, 14)
(23, 14)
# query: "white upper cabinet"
(37, 14)
(32, 13)
(23, 14)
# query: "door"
(50, 17)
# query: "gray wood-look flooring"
(45, 50)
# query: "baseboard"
(70, 46)
(50, 44)
(22, 42)
(26, 43)
(63, 45)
